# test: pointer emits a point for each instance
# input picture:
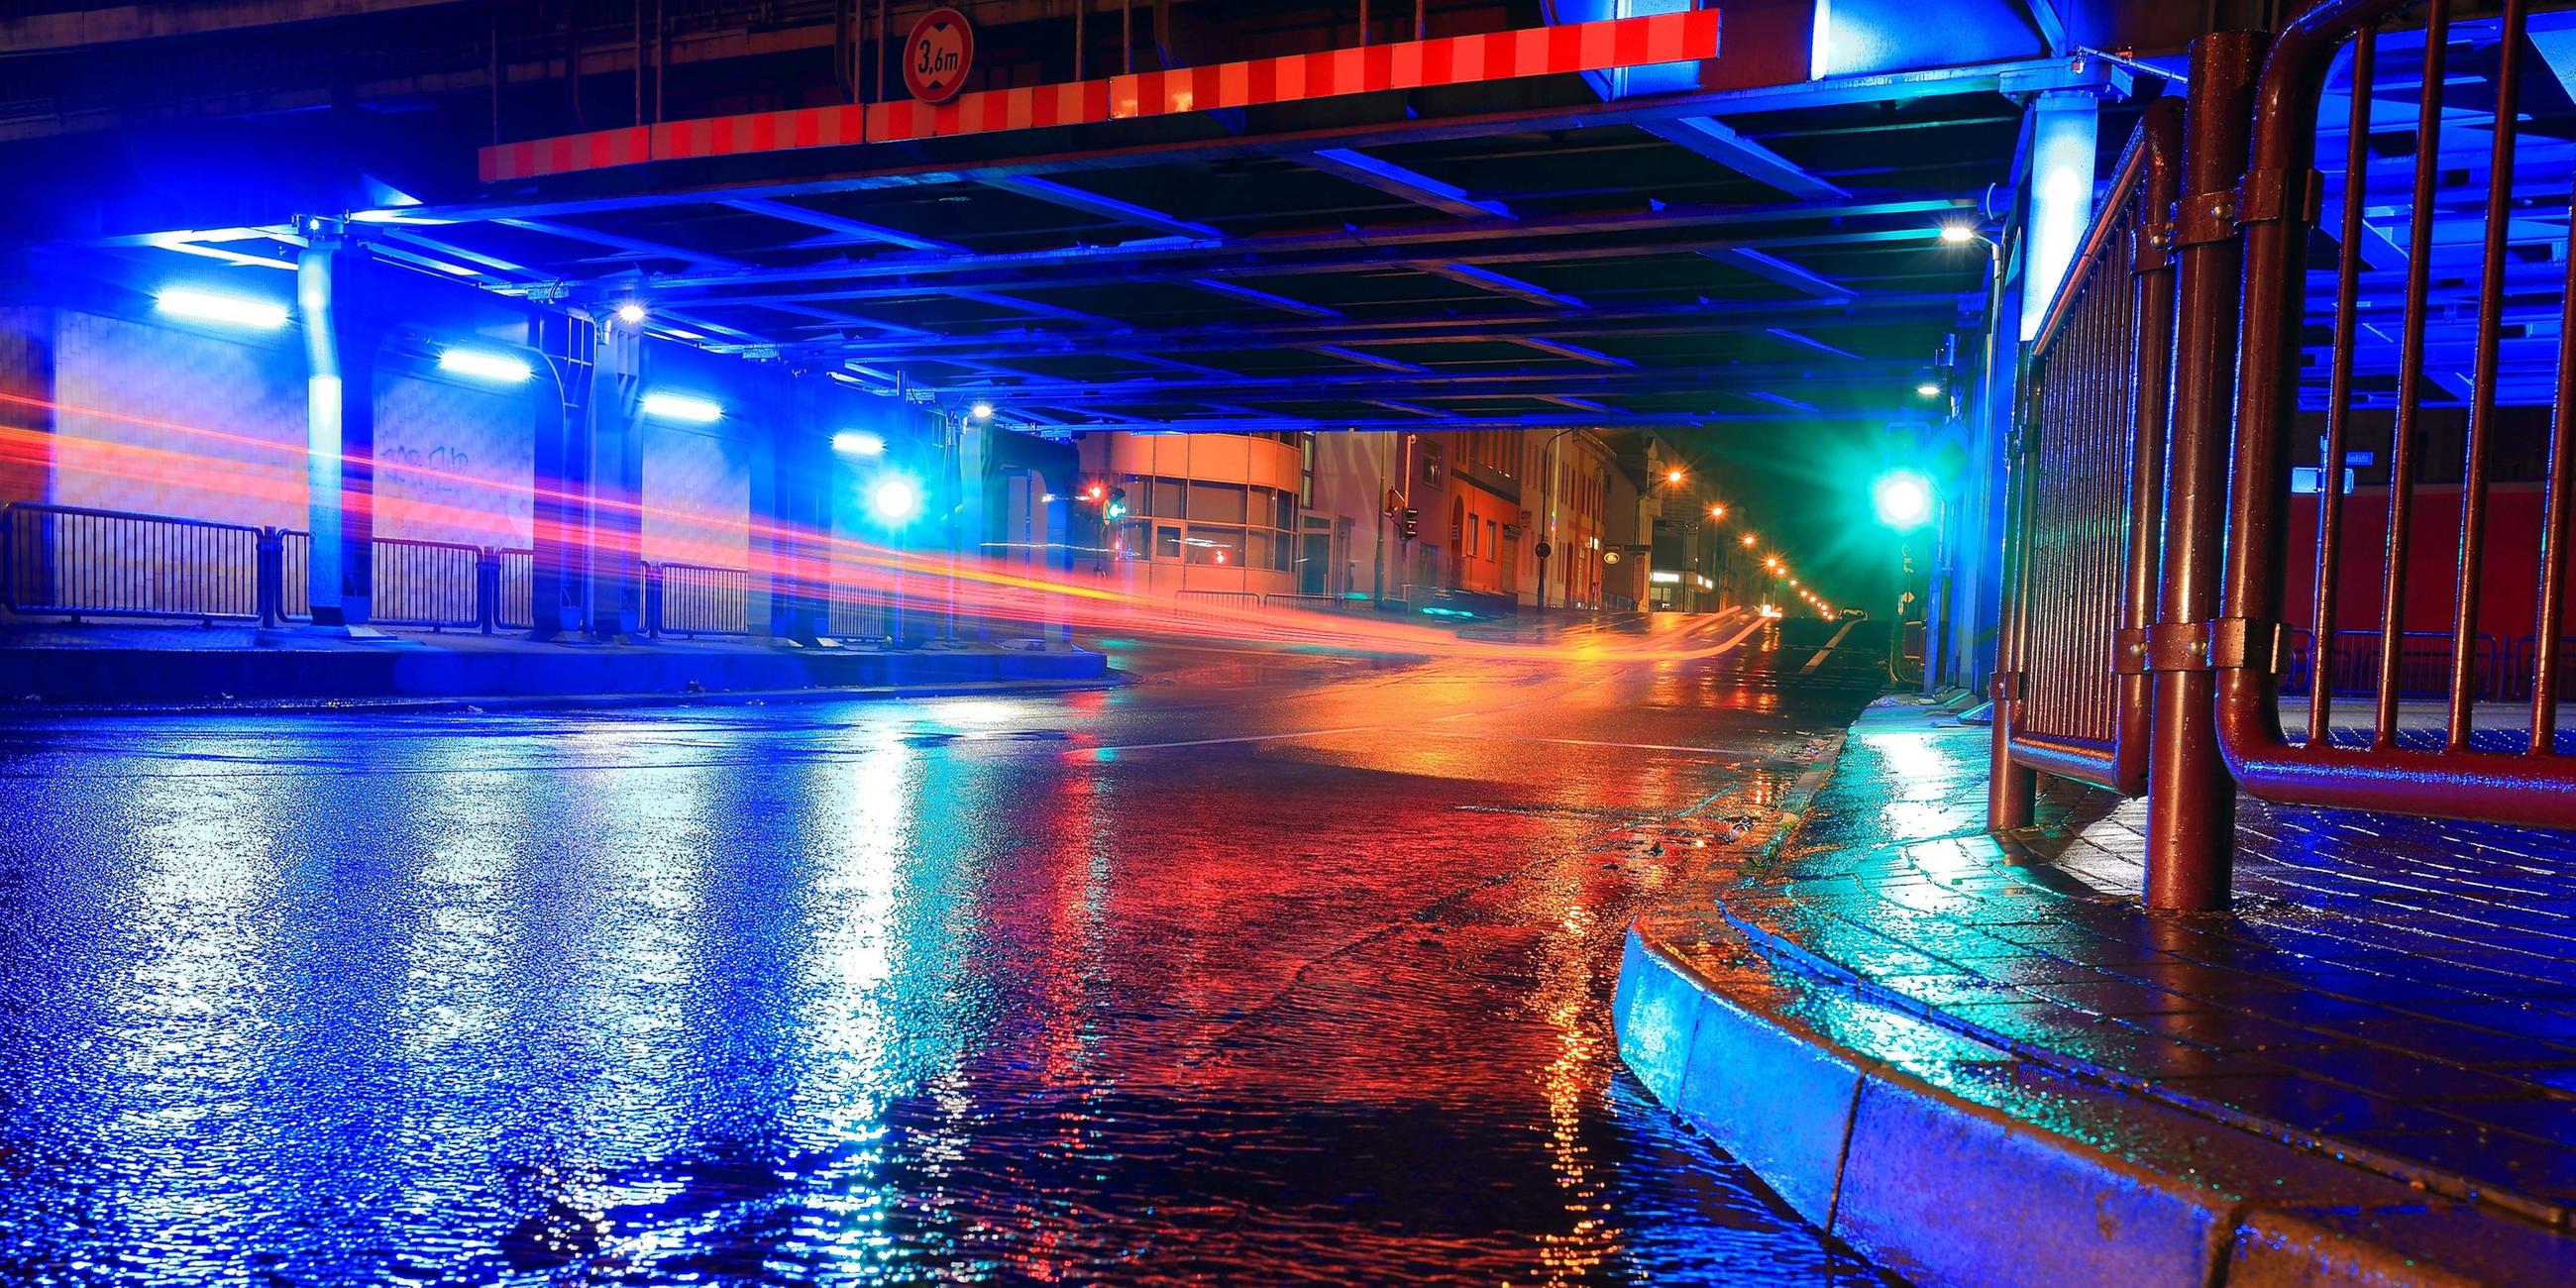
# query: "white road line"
(1830, 645)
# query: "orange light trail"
(819, 564)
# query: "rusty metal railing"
(2087, 476)
(2451, 319)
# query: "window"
(1493, 539)
(1131, 540)
(1167, 499)
(1286, 512)
(1256, 549)
(1217, 502)
(1216, 546)
(1167, 541)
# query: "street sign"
(938, 55)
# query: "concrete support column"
(613, 590)
(336, 295)
(967, 526)
(26, 430)
(26, 397)
(559, 430)
(791, 563)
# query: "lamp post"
(1905, 501)
(1938, 600)
(1547, 504)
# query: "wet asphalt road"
(1273, 967)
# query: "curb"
(1951, 1157)
(25, 714)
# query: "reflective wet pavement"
(1270, 968)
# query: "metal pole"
(2191, 799)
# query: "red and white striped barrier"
(1415, 64)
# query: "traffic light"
(1412, 523)
(1117, 507)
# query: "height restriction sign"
(937, 55)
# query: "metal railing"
(2457, 325)
(83, 563)
(2086, 479)
(1313, 603)
(697, 599)
(436, 584)
(512, 592)
(2352, 665)
(1222, 598)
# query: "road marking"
(1830, 645)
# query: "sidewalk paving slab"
(1977, 1060)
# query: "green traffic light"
(1903, 498)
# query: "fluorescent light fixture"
(215, 306)
(1958, 234)
(499, 368)
(1928, 389)
(858, 442)
(696, 411)
(630, 312)
(981, 411)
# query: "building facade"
(1375, 516)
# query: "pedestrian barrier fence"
(2456, 302)
(2087, 472)
(514, 590)
(436, 584)
(695, 599)
(2430, 293)
(1225, 598)
(85, 563)
(2352, 664)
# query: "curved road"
(1271, 967)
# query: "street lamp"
(1717, 512)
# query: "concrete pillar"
(26, 430)
(967, 526)
(613, 478)
(337, 294)
(791, 460)
(559, 430)
(26, 399)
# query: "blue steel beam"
(1808, 342)
(1104, 207)
(627, 247)
(1569, 419)
(2027, 75)
(911, 278)
(1775, 269)
(1366, 359)
(838, 230)
(1397, 181)
(1700, 319)
(1502, 283)
(1575, 351)
(1266, 299)
(1921, 215)
(1721, 144)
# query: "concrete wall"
(163, 420)
(697, 495)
